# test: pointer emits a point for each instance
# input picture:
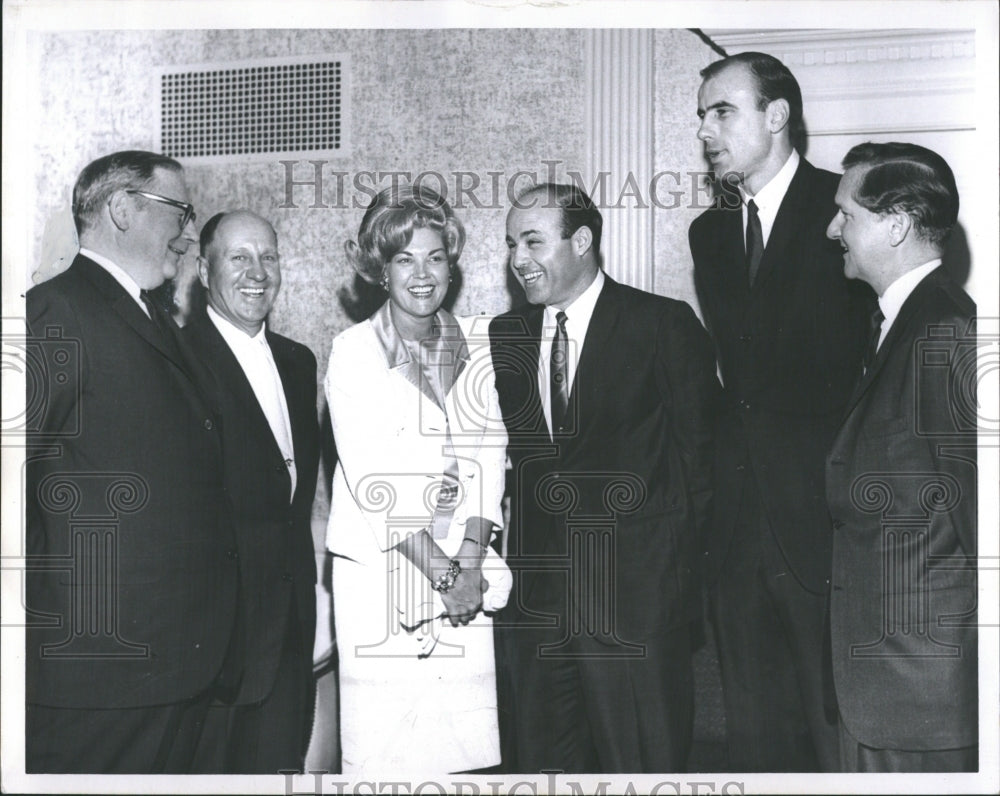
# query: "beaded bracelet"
(446, 580)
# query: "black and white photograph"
(501, 397)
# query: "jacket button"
(232, 555)
(209, 425)
(740, 468)
(745, 338)
(287, 576)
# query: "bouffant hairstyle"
(388, 226)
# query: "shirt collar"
(582, 308)
(232, 334)
(768, 199)
(442, 356)
(899, 291)
(121, 276)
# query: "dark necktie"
(160, 321)
(559, 374)
(876, 332)
(755, 241)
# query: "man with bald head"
(132, 576)
(265, 385)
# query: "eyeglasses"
(189, 214)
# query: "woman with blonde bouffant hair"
(416, 500)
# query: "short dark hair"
(388, 225)
(114, 172)
(577, 209)
(773, 80)
(907, 178)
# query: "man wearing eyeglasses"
(132, 563)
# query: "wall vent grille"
(253, 109)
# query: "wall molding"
(869, 82)
(843, 46)
(619, 142)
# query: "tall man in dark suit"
(265, 385)
(788, 331)
(901, 478)
(606, 393)
(131, 587)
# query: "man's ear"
(120, 210)
(900, 226)
(778, 114)
(203, 271)
(582, 240)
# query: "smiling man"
(903, 598)
(607, 394)
(265, 387)
(131, 588)
(789, 333)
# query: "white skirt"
(410, 703)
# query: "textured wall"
(444, 101)
(678, 57)
(441, 101)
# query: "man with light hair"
(132, 575)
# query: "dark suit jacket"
(634, 459)
(131, 587)
(788, 351)
(901, 483)
(274, 537)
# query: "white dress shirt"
(121, 276)
(769, 198)
(578, 316)
(898, 292)
(254, 356)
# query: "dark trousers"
(147, 740)
(263, 737)
(591, 710)
(769, 631)
(856, 757)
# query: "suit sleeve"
(389, 466)
(946, 410)
(479, 429)
(686, 371)
(57, 354)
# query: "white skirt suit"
(424, 699)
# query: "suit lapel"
(786, 224)
(231, 373)
(596, 347)
(128, 309)
(531, 346)
(913, 302)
